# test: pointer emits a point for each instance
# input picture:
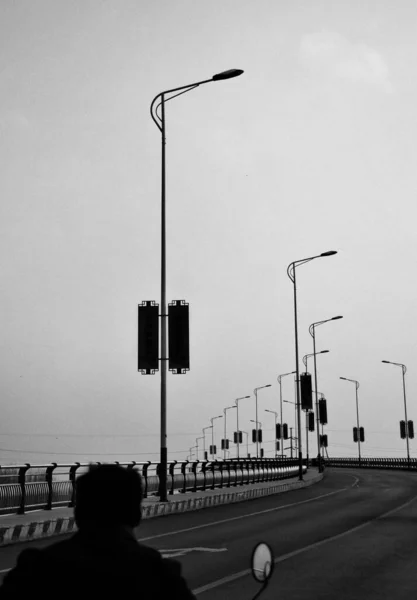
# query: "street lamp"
(295, 410)
(312, 331)
(260, 428)
(357, 414)
(196, 441)
(274, 412)
(291, 274)
(204, 438)
(212, 434)
(159, 120)
(404, 371)
(225, 431)
(280, 407)
(305, 360)
(237, 420)
(255, 391)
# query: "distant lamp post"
(212, 434)
(237, 421)
(225, 429)
(404, 371)
(312, 331)
(159, 120)
(279, 378)
(196, 441)
(274, 412)
(204, 438)
(255, 391)
(291, 274)
(305, 361)
(357, 413)
(260, 429)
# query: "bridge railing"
(28, 487)
(372, 463)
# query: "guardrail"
(373, 463)
(33, 487)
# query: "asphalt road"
(350, 536)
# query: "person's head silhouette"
(108, 495)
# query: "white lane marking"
(284, 557)
(183, 551)
(260, 512)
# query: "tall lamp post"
(212, 434)
(312, 331)
(291, 274)
(196, 441)
(237, 420)
(225, 430)
(279, 378)
(274, 412)
(247, 443)
(305, 361)
(357, 413)
(159, 101)
(260, 428)
(404, 371)
(204, 438)
(255, 391)
(295, 410)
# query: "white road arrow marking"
(173, 552)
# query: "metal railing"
(371, 463)
(32, 487)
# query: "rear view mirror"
(262, 562)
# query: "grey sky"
(312, 149)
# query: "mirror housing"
(262, 562)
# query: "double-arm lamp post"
(255, 391)
(279, 378)
(159, 119)
(357, 414)
(204, 440)
(291, 274)
(404, 371)
(274, 412)
(305, 361)
(212, 434)
(312, 331)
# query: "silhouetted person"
(102, 559)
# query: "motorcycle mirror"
(262, 562)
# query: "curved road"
(350, 536)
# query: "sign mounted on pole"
(178, 337)
(148, 337)
(306, 392)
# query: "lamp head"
(323, 352)
(385, 361)
(343, 378)
(227, 74)
(335, 318)
(329, 253)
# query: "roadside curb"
(53, 527)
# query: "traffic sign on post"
(402, 430)
(311, 421)
(306, 391)
(410, 430)
(323, 411)
(355, 434)
(361, 434)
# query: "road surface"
(353, 535)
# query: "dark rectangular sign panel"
(148, 337)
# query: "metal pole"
(307, 436)
(317, 399)
(164, 450)
(300, 453)
(404, 369)
(281, 438)
(357, 420)
(291, 440)
(256, 421)
(212, 439)
(237, 426)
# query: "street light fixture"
(357, 413)
(255, 391)
(196, 441)
(307, 356)
(159, 120)
(279, 378)
(225, 431)
(237, 420)
(212, 434)
(404, 371)
(274, 412)
(312, 331)
(291, 274)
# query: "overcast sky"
(312, 149)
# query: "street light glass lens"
(329, 253)
(227, 74)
